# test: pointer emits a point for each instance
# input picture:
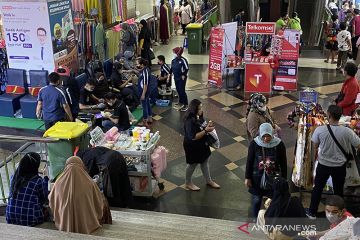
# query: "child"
(176, 20)
(164, 72)
(344, 45)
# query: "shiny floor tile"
(234, 151)
(226, 99)
(329, 89)
(278, 101)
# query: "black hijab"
(28, 168)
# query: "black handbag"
(348, 156)
(340, 97)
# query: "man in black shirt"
(120, 117)
(101, 88)
(164, 72)
(86, 102)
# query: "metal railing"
(12, 158)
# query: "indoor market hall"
(190, 119)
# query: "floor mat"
(23, 123)
(138, 114)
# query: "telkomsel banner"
(63, 34)
(27, 35)
(215, 56)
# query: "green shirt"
(295, 23)
(280, 23)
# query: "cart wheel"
(161, 186)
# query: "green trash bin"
(71, 135)
(195, 37)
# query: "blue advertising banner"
(308, 97)
(63, 34)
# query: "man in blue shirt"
(180, 69)
(52, 106)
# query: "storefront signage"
(287, 72)
(258, 77)
(63, 34)
(27, 35)
(264, 28)
(215, 56)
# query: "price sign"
(215, 56)
(308, 97)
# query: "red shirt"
(345, 216)
(350, 89)
(356, 23)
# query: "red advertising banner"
(258, 77)
(263, 28)
(287, 72)
(215, 56)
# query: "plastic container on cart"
(195, 37)
(72, 135)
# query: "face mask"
(262, 109)
(139, 67)
(333, 218)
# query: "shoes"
(192, 187)
(184, 108)
(309, 214)
(213, 185)
(326, 61)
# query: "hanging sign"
(258, 77)
(63, 34)
(27, 35)
(263, 28)
(215, 56)
(287, 72)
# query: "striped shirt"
(179, 67)
(164, 70)
(144, 77)
(53, 99)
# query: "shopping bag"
(213, 139)
(152, 55)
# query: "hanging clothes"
(100, 41)
(78, 5)
(113, 39)
(164, 23)
(93, 4)
(169, 16)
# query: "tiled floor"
(227, 109)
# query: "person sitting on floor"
(120, 117)
(101, 88)
(28, 193)
(283, 207)
(76, 201)
(164, 73)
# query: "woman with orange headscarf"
(76, 201)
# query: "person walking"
(266, 153)
(186, 15)
(349, 90)
(197, 150)
(145, 42)
(344, 45)
(240, 18)
(180, 69)
(52, 105)
(355, 32)
(331, 142)
(331, 41)
(144, 90)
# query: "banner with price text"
(215, 56)
(27, 35)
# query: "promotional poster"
(287, 72)
(258, 77)
(27, 35)
(63, 34)
(215, 56)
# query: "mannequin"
(164, 23)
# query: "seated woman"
(76, 201)
(116, 181)
(282, 210)
(28, 193)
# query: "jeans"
(146, 108)
(322, 175)
(180, 88)
(190, 168)
(237, 75)
(256, 205)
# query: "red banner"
(263, 28)
(287, 72)
(215, 56)
(258, 77)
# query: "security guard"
(180, 69)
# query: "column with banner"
(27, 35)
(216, 55)
(258, 72)
(287, 71)
(63, 34)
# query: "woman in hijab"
(76, 201)
(145, 41)
(282, 210)
(257, 114)
(128, 38)
(28, 193)
(266, 153)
